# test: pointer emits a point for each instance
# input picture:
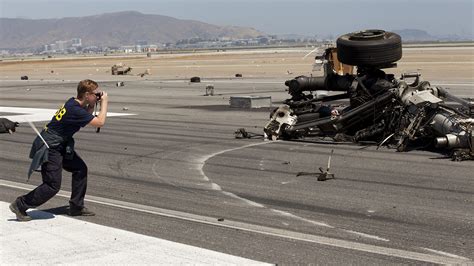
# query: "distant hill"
(408, 35)
(111, 29)
(411, 35)
(416, 35)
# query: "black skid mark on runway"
(129, 161)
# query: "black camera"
(98, 95)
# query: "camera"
(98, 95)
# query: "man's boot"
(21, 216)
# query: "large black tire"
(369, 48)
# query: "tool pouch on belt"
(69, 150)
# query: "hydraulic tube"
(444, 93)
(331, 82)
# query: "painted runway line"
(262, 230)
(21, 115)
(49, 239)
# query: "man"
(59, 153)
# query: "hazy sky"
(317, 17)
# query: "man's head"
(86, 90)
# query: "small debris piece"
(241, 133)
(195, 79)
(120, 69)
(209, 90)
(324, 174)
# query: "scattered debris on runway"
(195, 79)
(248, 102)
(120, 69)
(7, 126)
(209, 90)
(242, 133)
(144, 73)
(404, 113)
(324, 174)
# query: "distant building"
(63, 46)
(150, 48)
(76, 42)
(53, 47)
(128, 48)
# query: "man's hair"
(84, 86)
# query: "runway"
(174, 171)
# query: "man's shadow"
(47, 213)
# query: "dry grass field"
(449, 64)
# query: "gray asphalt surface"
(178, 153)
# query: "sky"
(305, 17)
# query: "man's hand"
(104, 97)
(99, 121)
(7, 126)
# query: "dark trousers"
(51, 172)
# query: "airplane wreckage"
(404, 113)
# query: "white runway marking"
(257, 229)
(367, 235)
(49, 239)
(22, 115)
(202, 161)
(249, 202)
(284, 213)
(216, 186)
(445, 253)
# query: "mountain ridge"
(112, 29)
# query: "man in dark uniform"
(58, 152)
